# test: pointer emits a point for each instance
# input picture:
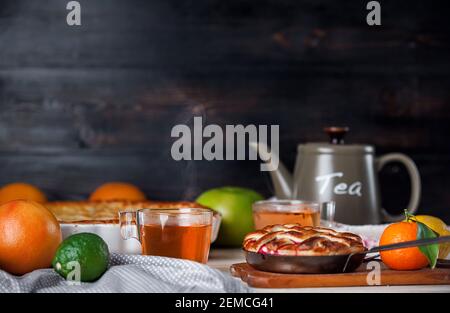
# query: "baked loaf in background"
(296, 240)
(106, 212)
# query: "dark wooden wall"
(84, 105)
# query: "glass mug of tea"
(183, 233)
(305, 213)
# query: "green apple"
(235, 205)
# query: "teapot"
(345, 174)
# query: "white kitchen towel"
(369, 233)
(131, 273)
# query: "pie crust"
(106, 212)
(296, 240)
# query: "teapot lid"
(336, 144)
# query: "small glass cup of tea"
(183, 233)
(305, 213)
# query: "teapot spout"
(281, 178)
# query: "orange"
(29, 236)
(117, 191)
(402, 259)
(24, 191)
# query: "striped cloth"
(131, 273)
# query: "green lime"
(82, 256)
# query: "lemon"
(438, 226)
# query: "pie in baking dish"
(106, 212)
(296, 240)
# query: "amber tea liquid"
(304, 218)
(184, 242)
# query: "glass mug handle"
(129, 225)
(327, 212)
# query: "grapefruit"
(29, 236)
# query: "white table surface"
(222, 259)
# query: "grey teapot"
(345, 174)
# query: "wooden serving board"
(260, 279)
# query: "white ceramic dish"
(111, 234)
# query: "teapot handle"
(415, 183)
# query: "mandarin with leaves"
(406, 258)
